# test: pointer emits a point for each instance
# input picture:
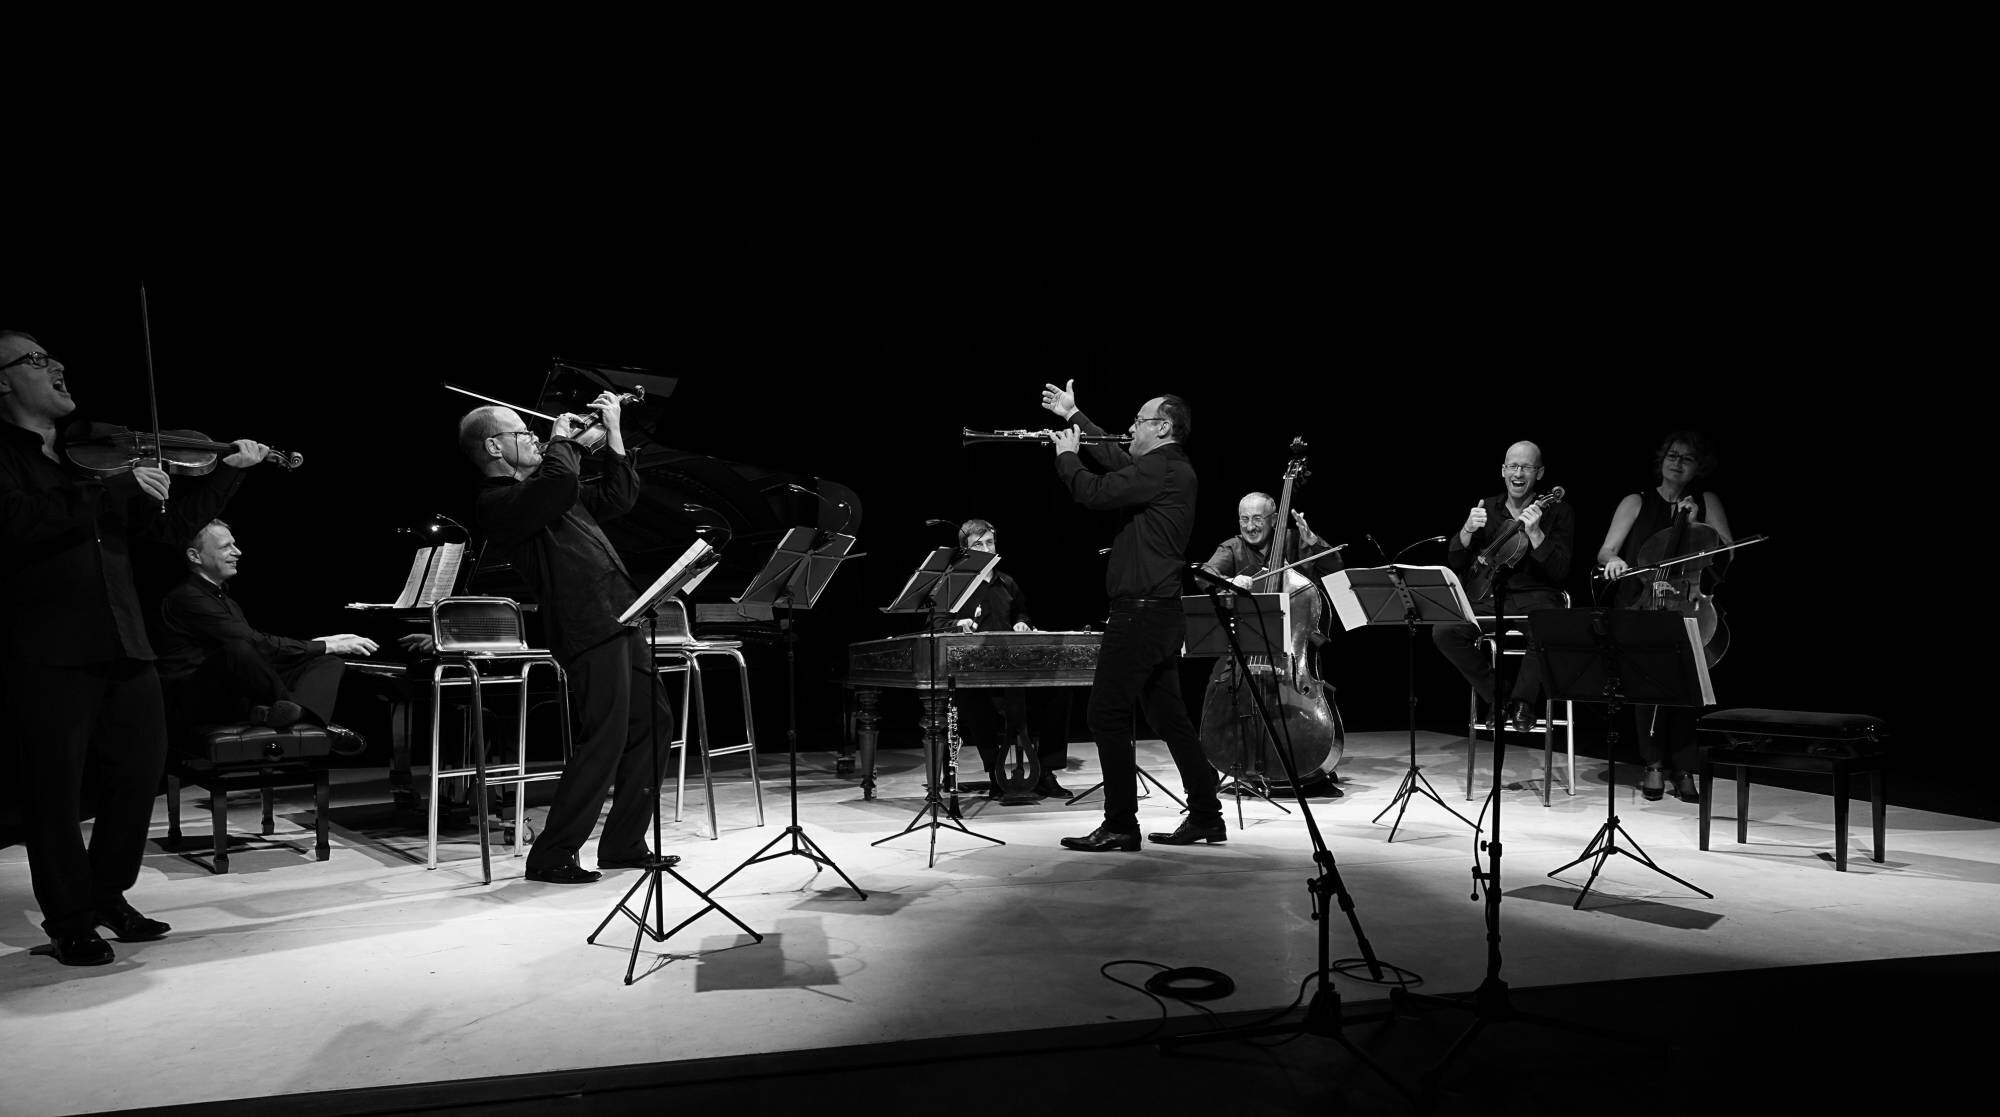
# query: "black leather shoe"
(277, 715)
(1190, 832)
(346, 742)
(640, 860)
(569, 872)
(1048, 788)
(1653, 784)
(84, 948)
(129, 925)
(1521, 716)
(1686, 787)
(1101, 840)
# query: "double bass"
(1232, 734)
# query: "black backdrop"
(1408, 385)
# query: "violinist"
(992, 715)
(1533, 581)
(213, 664)
(535, 507)
(78, 688)
(1150, 489)
(1665, 734)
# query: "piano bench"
(232, 756)
(1842, 745)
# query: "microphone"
(1213, 580)
(1386, 561)
(847, 516)
(1421, 542)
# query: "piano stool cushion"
(231, 744)
(1796, 731)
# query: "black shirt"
(547, 526)
(995, 606)
(199, 616)
(1540, 568)
(1153, 496)
(66, 591)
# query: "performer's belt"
(1144, 602)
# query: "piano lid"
(571, 384)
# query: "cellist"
(1665, 734)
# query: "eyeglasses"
(1137, 419)
(529, 435)
(1253, 519)
(1673, 456)
(1522, 469)
(32, 360)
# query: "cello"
(1680, 554)
(1232, 734)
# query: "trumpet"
(971, 436)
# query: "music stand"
(1323, 1013)
(942, 583)
(1208, 633)
(800, 566)
(1409, 596)
(685, 573)
(1613, 656)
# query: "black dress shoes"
(277, 715)
(640, 860)
(1190, 832)
(129, 925)
(569, 872)
(1686, 788)
(346, 742)
(1048, 788)
(1102, 840)
(1521, 716)
(83, 948)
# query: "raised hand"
(1061, 400)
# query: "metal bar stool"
(473, 636)
(677, 650)
(1509, 642)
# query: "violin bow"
(152, 391)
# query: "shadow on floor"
(1784, 1038)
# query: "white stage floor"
(289, 975)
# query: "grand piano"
(933, 663)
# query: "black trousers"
(1459, 643)
(988, 717)
(608, 689)
(1138, 667)
(1665, 736)
(84, 741)
(234, 677)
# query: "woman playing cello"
(1675, 503)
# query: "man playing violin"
(1533, 582)
(213, 664)
(535, 506)
(78, 688)
(991, 716)
(1665, 734)
(1151, 488)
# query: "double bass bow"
(1308, 723)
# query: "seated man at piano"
(216, 667)
(991, 716)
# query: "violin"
(1676, 585)
(1308, 721)
(107, 450)
(1509, 543)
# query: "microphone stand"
(1323, 1014)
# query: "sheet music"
(1353, 614)
(699, 559)
(433, 575)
